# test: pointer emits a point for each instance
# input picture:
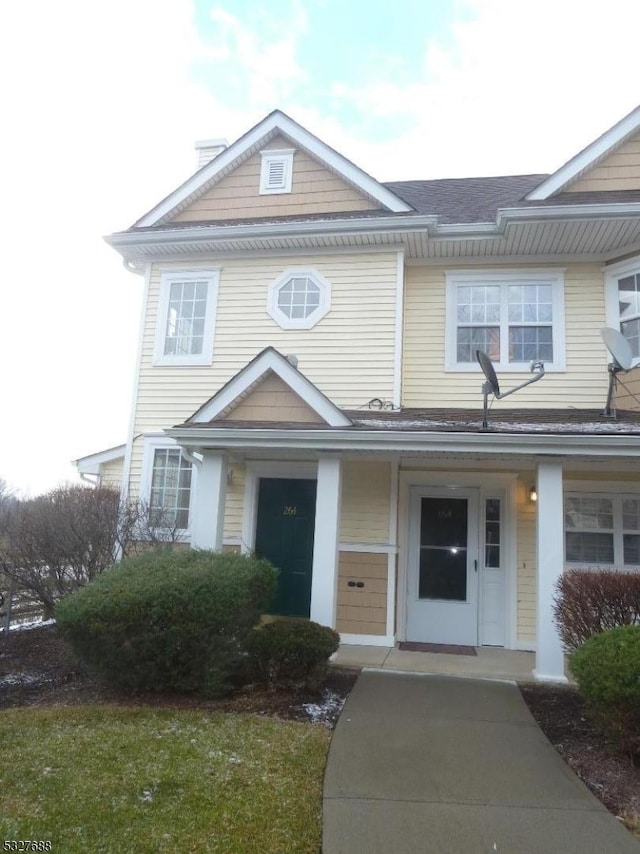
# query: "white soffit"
(251, 141)
(588, 157)
(271, 360)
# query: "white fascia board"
(276, 121)
(578, 212)
(493, 444)
(92, 462)
(299, 384)
(587, 157)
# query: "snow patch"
(27, 678)
(327, 711)
(31, 624)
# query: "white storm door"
(442, 598)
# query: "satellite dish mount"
(621, 362)
(492, 386)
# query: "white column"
(324, 582)
(207, 524)
(550, 564)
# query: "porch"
(487, 663)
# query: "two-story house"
(307, 384)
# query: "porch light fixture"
(533, 494)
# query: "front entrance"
(442, 596)
(284, 535)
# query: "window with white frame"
(276, 171)
(299, 299)
(516, 317)
(623, 301)
(186, 318)
(602, 530)
(170, 490)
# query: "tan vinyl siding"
(314, 190)
(272, 400)
(628, 395)
(234, 506)
(425, 382)
(349, 354)
(362, 610)
(366, 489)
(619, 171)
(111, 473)
(526, 563)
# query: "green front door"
(284, 535)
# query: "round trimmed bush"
(607, 670)
(292, 652)
(168, 620)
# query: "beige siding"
(365, 506)
(362, 610)
(111, 473)
(272, 400)
(628, 396)
(619, 171)
(348, 354)
(425, 382)
(526, 563)
(314, 190)
(234, 506)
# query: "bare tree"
(60, 541)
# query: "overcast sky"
(101, 105)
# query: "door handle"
(475, 565)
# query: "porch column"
(324, 581)
(209, 502)
(550, 564)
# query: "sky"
(101, 104)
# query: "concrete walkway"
(440, 764)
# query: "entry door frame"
(489, 483)
(472, 496)
(267, 469)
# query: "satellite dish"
(492, 386)
(618, 346)
(621, 362)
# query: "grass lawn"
(112, 779)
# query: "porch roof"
(410, 420)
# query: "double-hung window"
(623, 301)
(186, 318)
(167, 479)
(515, 316)
(602, 530)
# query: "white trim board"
(266, 361)
(276, 122)
(588, 157)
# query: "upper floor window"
(186, 318)
(299, 299)
(276, 171)
(516, 317)
(623, 301)
(602, 530)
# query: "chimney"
(207, 149)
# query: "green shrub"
(168, 620)
(588, 602)
(607, 670)
(292, 652)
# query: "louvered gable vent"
(277, 171)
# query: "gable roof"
(251, 142)
(269, 361)
(588, 157)
(92, 462)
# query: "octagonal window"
(299, 299)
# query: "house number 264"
(290, 510)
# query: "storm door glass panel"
(492, 533)
(443, 549)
